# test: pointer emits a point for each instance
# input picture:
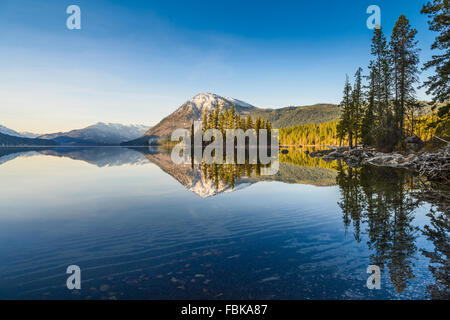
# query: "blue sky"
(137, 61)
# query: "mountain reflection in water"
(378, 208)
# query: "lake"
(141, 227)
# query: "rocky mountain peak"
(207, 102)
(194, 109)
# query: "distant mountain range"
(192, 110)
(7, 140)
(98, 134)
(13, 133)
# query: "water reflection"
(382, 201)
(438, 232)
(203, 179)
(378, 207)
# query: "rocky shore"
(433, 165)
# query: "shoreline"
(434, 165)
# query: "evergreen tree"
(231, 117)
(257, 127)
(383, 91)
(269, 132)
(357, 103)
(222, 123)
(380, 54)
(205, 121)
(347, 112)
(341, 131)
(257, 124)
(215, 124)
(249, 122)
(262, 124)
(210, 121)
(243, 124)
(405, 68)
(368, 120)
(226, 117)
(238, 121)
(438, 11)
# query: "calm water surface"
(140, 227)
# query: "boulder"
(414, 143)
(320, 153)
(334, 156)
(387, 160)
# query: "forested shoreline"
(384, 110)
(327, 134)
(380, 108)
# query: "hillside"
(292, 116)
(7, 140)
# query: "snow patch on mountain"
(102, 133)
(209, 101)
(29, 135)
(10, 132)
(14, 133)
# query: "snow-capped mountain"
(207, 102)
(13, 133)
(194, 109)
(99, 134)
(29, 135)
(9, 132)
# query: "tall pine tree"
(368, 120)
(438, 84)
(381, 65)
(346, 122)
(357, 104)
(405, 59)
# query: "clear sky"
(137, 61)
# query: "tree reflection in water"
(437, 231)
(382, 199)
